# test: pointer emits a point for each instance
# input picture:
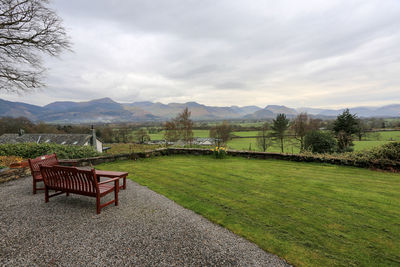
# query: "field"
(121, 148)
(307, 213)
(388, 136)
(291, 145)
(196, 133)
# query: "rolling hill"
(107, 110)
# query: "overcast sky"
(296, 53)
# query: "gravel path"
(146, 229)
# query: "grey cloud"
(231, 85)
(244, 52)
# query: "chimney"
(94, 139)
(21, 132)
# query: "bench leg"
(34, 186)
(67, 194)
(116, 189)
(98, 207)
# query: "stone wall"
(110, 158)
(246, 154)
(290, 157)
(13, 174)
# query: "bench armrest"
(110, 180)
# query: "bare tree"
(171, 133)
(28, 30)
(185, 126)
(264, 139)
(142, 136)
(221, 133)
(123, 134)
(361, 129)
(302, 125)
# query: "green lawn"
(307, 213)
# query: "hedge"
(386, 154)
(33, 150)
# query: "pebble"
(146, 229)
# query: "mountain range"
(107, 110)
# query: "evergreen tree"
(344, 127)
(279, 128)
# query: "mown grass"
(310, 214)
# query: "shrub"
(33, 150)
(385, 154)
(319, 142)
(389, 151)
(6, 161)
(219, 152)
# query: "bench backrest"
(70, 179)
(48, 160)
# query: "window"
(74, 143)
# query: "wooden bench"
(76, 181)
(48, 160)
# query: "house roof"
(62, 139)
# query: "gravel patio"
(146, 229)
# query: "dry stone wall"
(12, 174)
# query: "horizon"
(240, 106)
(316, 54)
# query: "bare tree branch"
(28, 30)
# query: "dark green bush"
(33, 150)
(319, 142)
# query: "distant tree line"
(14, 125)
(304, 131)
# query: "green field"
(291, 145)
(196, 133)
(307, 213)
(246, 133)
(362, 145)
(122, 148)
(387, 136)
